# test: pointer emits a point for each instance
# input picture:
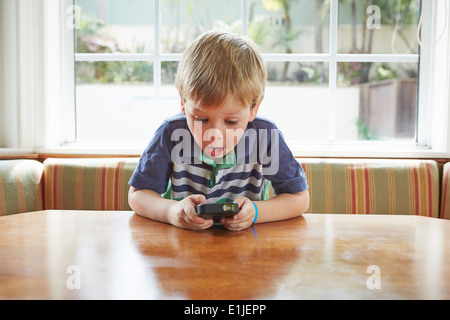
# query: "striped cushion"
(373, 186)
(20, 186)
(445, 197)
(88, 184)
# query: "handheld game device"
(216, 211)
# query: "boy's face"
(218, 130)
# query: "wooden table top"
(119, 255)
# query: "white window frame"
(49, 126)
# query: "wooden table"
(119, 255)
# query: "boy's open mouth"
(215, 152)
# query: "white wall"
(1, 73)
(8, 124)
(31, 74)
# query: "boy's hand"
(244, 218)
(183, 214)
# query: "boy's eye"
(231, 122)
(201, 120)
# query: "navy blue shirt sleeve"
(155, 165)
(280, 165)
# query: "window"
(340, 71)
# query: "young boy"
(217, 150)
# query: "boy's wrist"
(256, 213)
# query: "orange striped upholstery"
(88, 184)
(335, 186)
(373, 186)
(20, 186)
(445, 196)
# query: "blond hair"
(218, 65)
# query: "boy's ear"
(254, 111)
(183, 109)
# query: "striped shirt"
(174, 166)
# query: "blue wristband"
(256, 212)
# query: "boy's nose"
(213, 134)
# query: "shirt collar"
(228, 161)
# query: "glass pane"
(170, 99)
(378, 26)
(109, 26)
(183, 21)
(290, 26)
(382, 108)
(298, 103)
(115, 101)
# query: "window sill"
(97, 148)
(300, 150)
(18, 152)
(365, 149)
(326, 151)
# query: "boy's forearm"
(283, 206)
(149, 204)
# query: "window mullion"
(157, 55)
(351, 57)
(114, 57)
(245, 16)
(423, 132)
(292, 57)
(332, 78)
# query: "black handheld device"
(216, 211)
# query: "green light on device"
(228, 207)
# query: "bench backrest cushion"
(335, 185)
(88, 184)
(373, 186)
(20, 186)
